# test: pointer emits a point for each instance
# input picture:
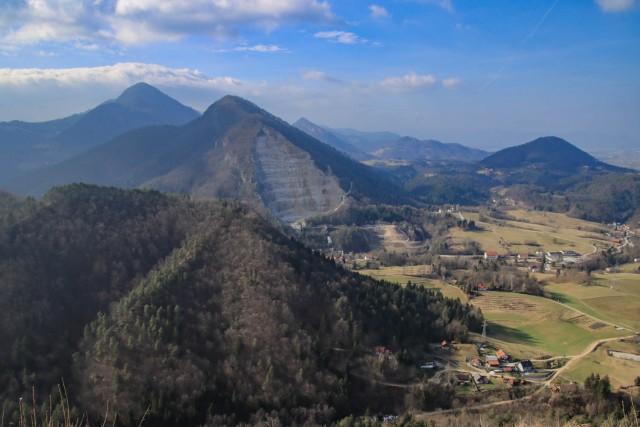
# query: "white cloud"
(87, 46)
(46, 54)
(408, 82)
(615, 5)
(451, 82)
(344, 37)
(34, 21)
(319, 76)
(44, 94)
(31, 22)
(378, 11)
(260, 48)
(121, 74)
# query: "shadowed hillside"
(200, 311)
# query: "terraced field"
(537, 327)
(614, 298)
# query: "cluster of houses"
(618, 233)
(502, 362)
(542, 259)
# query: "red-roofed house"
(493, 361)
(500, 354)
(492, 255)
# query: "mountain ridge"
(325, 135)
(410, 148)
(28, 146)
(235, 149)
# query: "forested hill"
(550, 154)
(200, 311)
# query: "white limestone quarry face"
(290, 184)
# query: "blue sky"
(483, 73)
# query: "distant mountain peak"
(304, 121)
(144, 97)
(230, 109)
(235, 103)
(548, 152)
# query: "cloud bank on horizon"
(414, 66)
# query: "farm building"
(491, 255)
(522, 257)
(500, 354)
(570, 254)
(525, 366)
(493, 361)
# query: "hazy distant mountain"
(409, 148)
(22, 143)
(549, 154)
(324, 135)
(365, 141)
(27, 146)
(140, 105)
(234, 150)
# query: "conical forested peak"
(143, 96)
(549, 152)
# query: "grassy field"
(621, 372)
(614, 298)
(523, 325)
(402, 275)
(533, 327)
(632, 267)
(530, 231)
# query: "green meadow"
(546, 327)
(614, 298)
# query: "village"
(489, 369)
